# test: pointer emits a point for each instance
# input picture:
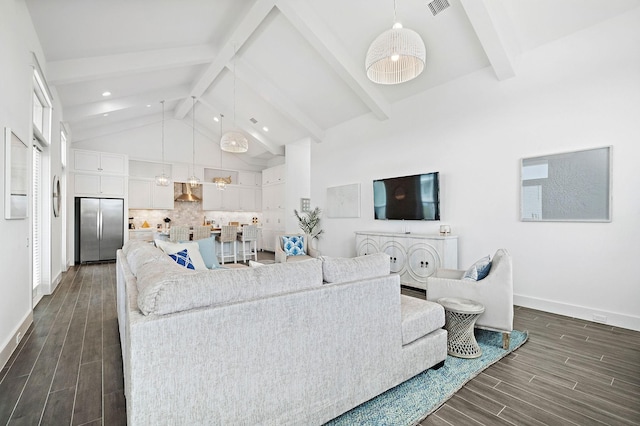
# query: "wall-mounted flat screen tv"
(414, 197)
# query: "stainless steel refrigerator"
(99, 229)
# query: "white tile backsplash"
(190, 214)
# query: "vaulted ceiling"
(296, 66)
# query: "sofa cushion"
(163, 290)
(419, 318)
(140, 252)
(342, 269)
(293, 245)
(478, 270)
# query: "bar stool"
(200, 232)
(178, 233)
(249, 235)
(228, 234)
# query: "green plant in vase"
(309, 222)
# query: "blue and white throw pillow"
(293, 245)
(193, 251)
(182, 258)
(478, 270)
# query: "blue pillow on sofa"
(207, 247)
(182, 258)
(478, 270)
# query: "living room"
(576, 92)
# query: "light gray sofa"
(280, 344)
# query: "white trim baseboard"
(600, 316)
(54, 284)
(12, 344)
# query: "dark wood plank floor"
(68, 371)
(570, 371)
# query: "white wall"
(17, 40)
(298, 177)
(580, 92)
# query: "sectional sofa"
(283, 344)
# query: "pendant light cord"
(395, 19)
(221, 117)
(193, 111)
(234, 83)
(162, 102)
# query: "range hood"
(187, 195)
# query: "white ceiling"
(299, 64)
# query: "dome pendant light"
(395, 56)
(193, 180)
(234, 141)
(162, 179)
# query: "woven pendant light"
(395, 56)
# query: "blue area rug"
(411, 401)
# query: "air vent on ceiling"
(253, 120)
(437, 6)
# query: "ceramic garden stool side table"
(460, 319)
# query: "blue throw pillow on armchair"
(478, 270)
(293, 245)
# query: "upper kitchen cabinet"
(249, 178)
(145, 194)
(99, 174)
(273, 175)
(99, 162)
(94, 185)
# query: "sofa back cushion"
(140, 252)
(342, 269)
(163, 290)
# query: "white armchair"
(495, 292)
(282, 257)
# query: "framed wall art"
(343, 201)
(16, 179)
(573, 186)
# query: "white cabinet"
(211, 197)
(97, 185)
(414, 256)
(100, 174)
(145, 194)
(273, 197)
(231, 198)
(249, 178)
(99, 162)
(139, 194)
(273, 205)
(273, 175)
(162, 197)
(247, 199)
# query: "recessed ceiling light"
(148, 105)
(106, 114)
(107, 93)
(216, 119)
(265, 128)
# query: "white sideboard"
(414, 256)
